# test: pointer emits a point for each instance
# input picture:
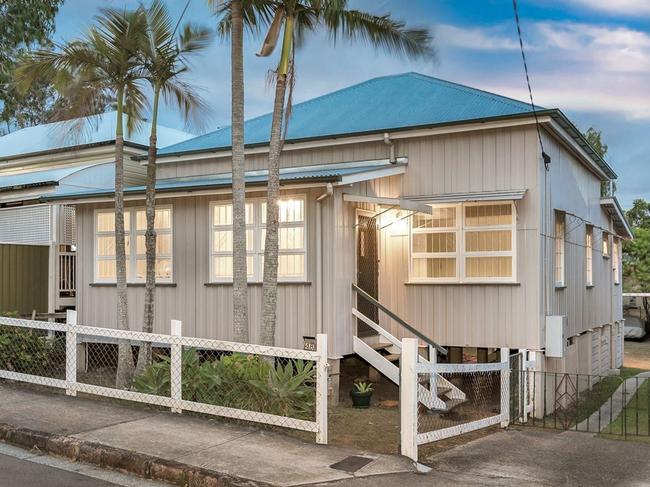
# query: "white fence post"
(408, 398)
(176, 366)
(505, 388)
(524, 386)
(71, 353)
(321, 388)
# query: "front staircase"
(382, 352)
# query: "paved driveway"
(531, 457)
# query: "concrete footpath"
(180, 449)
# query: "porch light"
(396, 222)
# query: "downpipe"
(319, 256)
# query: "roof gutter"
(376, 135)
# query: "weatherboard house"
(38, 238)
(431, 198)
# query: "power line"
(545, 156)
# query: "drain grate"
(352, 464)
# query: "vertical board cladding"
(204, 308)
(485, 315)
(573, 188)
(24, 277)
(472, 315)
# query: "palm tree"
(234, 16)
(165, 59)
(295, 18)
(106, 62)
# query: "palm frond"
(380, 31)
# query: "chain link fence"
(272, 385)
(482, 403)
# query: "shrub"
(31, 351)
(238, 381)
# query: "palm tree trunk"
(145, 354)
(239, 268)
(125, 355)
(270, 284)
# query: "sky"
(590, 58)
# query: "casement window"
(589, 256)
(560, 244)
(465, 242)
(135, 226)
(615, 261)
(292, 261)
(606, 253)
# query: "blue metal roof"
(224, 180)
(93, 130)
(37, 178)
(385, 103)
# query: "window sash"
(589, 256)
(560, 243)
(461, 230)
(615, 261)
(605, 243)
(131, 233)
(256, 229)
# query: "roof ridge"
(466, 88)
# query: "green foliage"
(639, 214)
(30, 351)
(24, 24)
(636, 262)
(364, 387)
(595, 139)
(238, 381)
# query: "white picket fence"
(487, 387)
(76, 335)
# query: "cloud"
(475, 38)
(576, 66)
(617, 7)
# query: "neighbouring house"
(432, 197)
(38, 239)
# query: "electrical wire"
(545, 156)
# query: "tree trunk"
(270, 284)
(239, 268)
(125, 355)
(145, 354)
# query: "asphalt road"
(20, 468)
(15, 472)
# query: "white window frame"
(257, 251)
(559, 249)
(132, 232)
(589, 255)
(606, 245)
(460, 253)
(616, 267)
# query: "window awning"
(613, 208)
(509, 195)
(392, 202)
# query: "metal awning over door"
(391, 202)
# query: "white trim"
(370, 175)
(357, 139)
(431, 436)
(510, 195)
(257, 226)
(461, 254)
(373, 200)
(569, 142)
(132, 233)
(559, 248)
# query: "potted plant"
(361, 394)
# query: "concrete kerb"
(145, 466)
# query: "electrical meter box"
(556, 336)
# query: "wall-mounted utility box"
(556, 336)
